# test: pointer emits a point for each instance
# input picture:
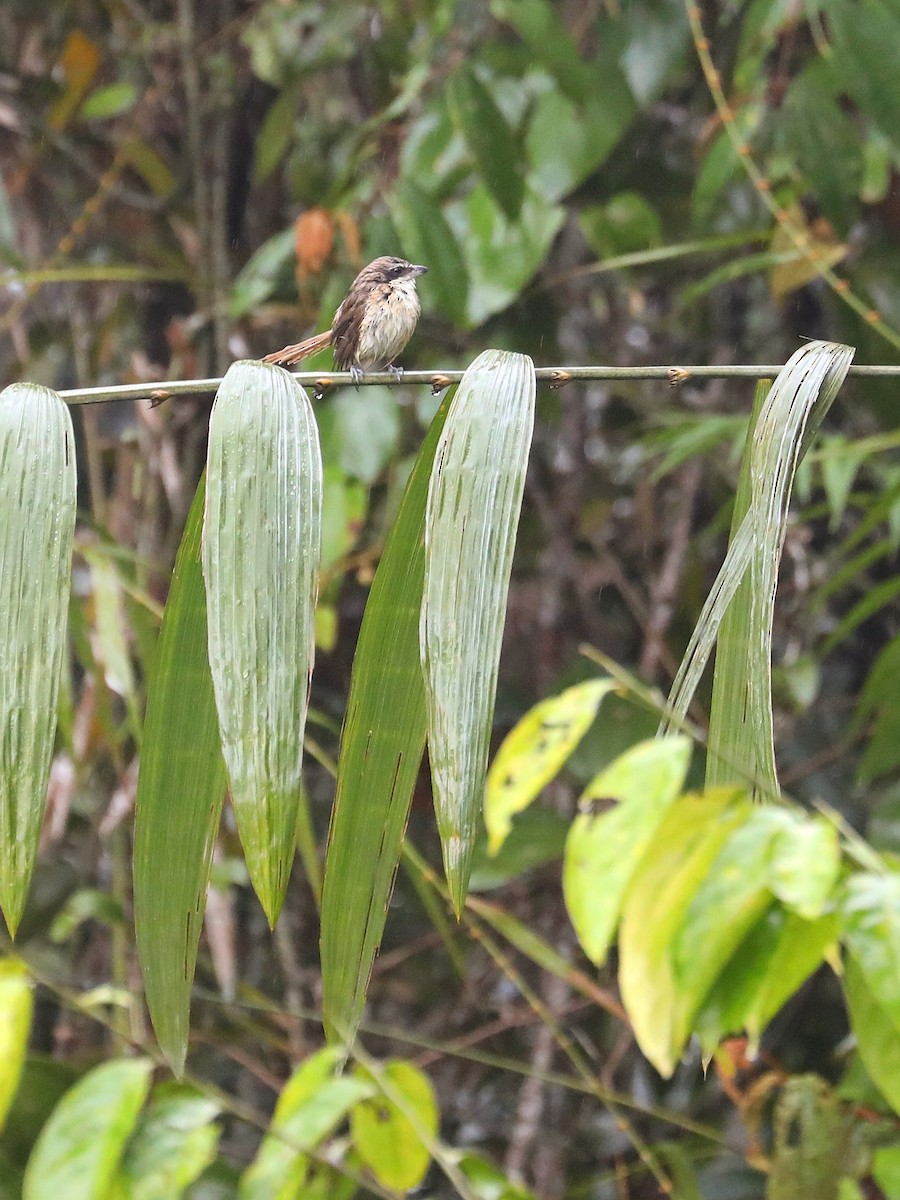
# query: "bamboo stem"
(438, 380)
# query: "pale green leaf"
(534, 751)
(603, 850)
(79, 1149)
(877, 1035)
(789, 417)
(37, 500)
(806, 862)
(474, 500)
(260, 553)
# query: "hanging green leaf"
(489, 138)
(535, 751)
(603, 850)
(877, 1035)
(260, 553)
(37, 502)
(381, 750)
(79, 1149)
(474, 499)
(790, 415)
(181, 788)
(16, 1005)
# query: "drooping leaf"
(671, 872)
(381, 749)
(260, 554)
(386, 1128)
(806, 862)
(79, 1149)
(15, 1025)
(37, 503)
(181, 789)
(790, 415)
(474, 499)
(489, 138)
(535, 751)
(603, 850)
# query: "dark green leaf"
(181, 788)
(427, 238)
(489, 138)
(381, 749)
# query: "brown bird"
(372, 325)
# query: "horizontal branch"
(438, 380)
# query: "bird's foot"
(396, 372)
(356, 374)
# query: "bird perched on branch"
(372, 325)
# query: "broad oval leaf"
(381, 750)
(37, 502)
(390, 1130)
(261, 547)
(474, 500)
(603, 851)
(15, 1024)
(181, 788)
(534, 751)
(79, 1149)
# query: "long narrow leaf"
(474, 500)
(381, 749)
(262, 537)
(37, 523)
(793, 410)
(181, 787)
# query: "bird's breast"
(388, 324)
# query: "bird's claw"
(395, 372)
(356, 374)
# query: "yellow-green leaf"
(535, 750)
(15, 1023)
(389, 1130)
(603, 850)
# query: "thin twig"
(438, 380)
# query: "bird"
(372, 324)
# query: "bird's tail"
(294, 354)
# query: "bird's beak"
(418, 270)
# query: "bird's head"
(388, 269)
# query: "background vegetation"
(185, 184)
